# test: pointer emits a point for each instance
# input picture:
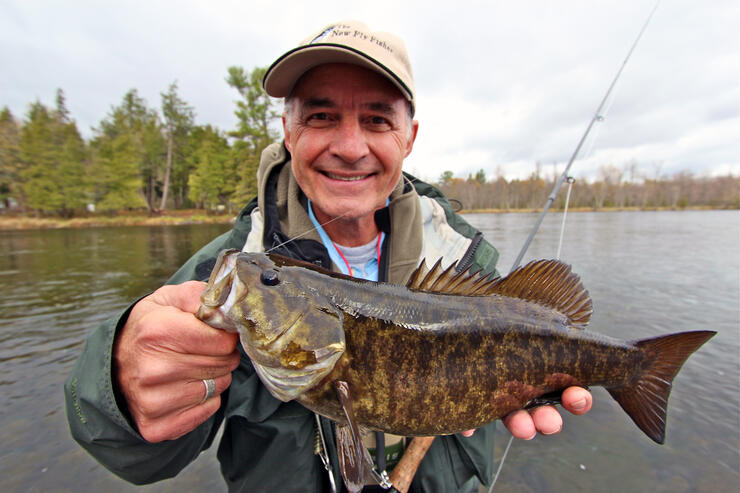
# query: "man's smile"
(335, 176)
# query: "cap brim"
(283, 74)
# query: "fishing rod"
(598, 117)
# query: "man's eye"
(379, 122)
(318, 117)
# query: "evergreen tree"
(10, 160)
(211, 183)
(256, 111)
(128, 149)
(53, 153)
(178, 122)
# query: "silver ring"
(210, 385)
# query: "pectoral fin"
(354, 460)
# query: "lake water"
(648, 273)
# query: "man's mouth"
(346, 178)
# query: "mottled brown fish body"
(411, 381)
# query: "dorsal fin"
(449, 280)
(546, 282)
(549, 283)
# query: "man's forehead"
(331, 84)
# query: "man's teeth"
(346, 178)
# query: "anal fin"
(354, 460)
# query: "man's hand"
(546, 419)
(161, 357)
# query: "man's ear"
(286, 132)
(412, 137)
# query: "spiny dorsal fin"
(448, 281)
(546, 282)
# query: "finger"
(520, 425)
(173, 426)
(577, 400)
(468, 433)
(547, 419)
(164, 400)
(185, 296)
(167, 328)
(168, 368)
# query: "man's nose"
(349, 142)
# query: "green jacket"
(268, 445)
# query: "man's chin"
(346, 209)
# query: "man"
(153, 386)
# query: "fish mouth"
(220, 293)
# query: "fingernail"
(532, 437)
(553, 432)
(579, 405)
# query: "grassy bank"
(170, 219)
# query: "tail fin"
(645, 398)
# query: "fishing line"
(306, 232)
(571, 180)
(598, 117)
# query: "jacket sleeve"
(101, 427)
(97, 413)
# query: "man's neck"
(348, 232)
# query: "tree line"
(146, 158)
(139, 157)
(614, 186)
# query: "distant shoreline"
(591, 209)
(178, 218)
(15, 223)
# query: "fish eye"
(269, 277)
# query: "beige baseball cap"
(343, 42)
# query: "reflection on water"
(55, 286)
(648, 274)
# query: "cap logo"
(321, 36)
(347, 31)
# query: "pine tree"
(210, 182)
(256, 111)
(10, 160)
(127, 156)
(53, 155)
(178, 121)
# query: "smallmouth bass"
(449, 352)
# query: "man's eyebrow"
(381, 107)
(312, 103)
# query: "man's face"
(348, 133)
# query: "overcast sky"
(500, 85)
